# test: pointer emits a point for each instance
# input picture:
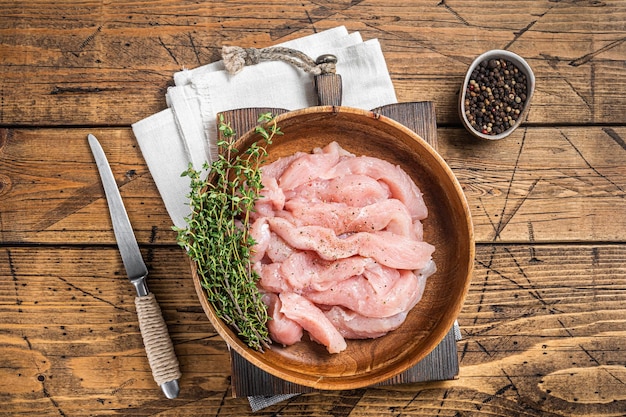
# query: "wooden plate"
(448, 227)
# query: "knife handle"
(158, 344)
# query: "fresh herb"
(217, 234)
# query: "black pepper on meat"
(495, 96)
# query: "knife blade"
(157, 341)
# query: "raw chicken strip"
(306, 271)
(313, 320)
(358, 295)
(354, 190)
(276, 168)
(401, 185)
(305, 169)
(391, 215)
(270, 277)
(386, 248)
(333, 148)
(278, 250)
(381, 278)
(272, 198)
(282, 329)
(260, 232)
(355, 326)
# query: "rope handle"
(328, 85)
(156, 340)
(236, 58)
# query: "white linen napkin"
(186, 131)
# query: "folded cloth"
(186, 131)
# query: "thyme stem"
(217, 234)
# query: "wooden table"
(544, 324)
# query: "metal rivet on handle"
(326, 59)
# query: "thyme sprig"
(217, 234)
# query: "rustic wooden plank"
(540, 184)
(50, 188)
(71, 334)
(71, 343)
(543, 324)
(420, 117)
(77, 63)
(537, 184)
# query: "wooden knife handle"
(157, 342)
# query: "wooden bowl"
(448, 227)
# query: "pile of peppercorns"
(495, 96)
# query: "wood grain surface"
(544, 322)
(542, 184)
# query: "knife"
(156, 338)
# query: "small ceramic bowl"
(522, 66)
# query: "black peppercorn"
(495, 96)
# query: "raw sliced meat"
(400, 184)
(270, 277)
(339, 246)
(282, 329)
(355, 326)
(306, 271)
(354, 190)
(313, 320)
(386, 248)
(306, 168)
(278, 250)
(357, 190)
(359, 295)
(272, 193)
(276, 168)
(391, 215)
(260, 232)
(333, 148)
(380, 277)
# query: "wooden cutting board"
(441, 363)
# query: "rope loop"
(236, 58)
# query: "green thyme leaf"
(217, 234)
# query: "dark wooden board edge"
(417, 116)
(441, 364)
